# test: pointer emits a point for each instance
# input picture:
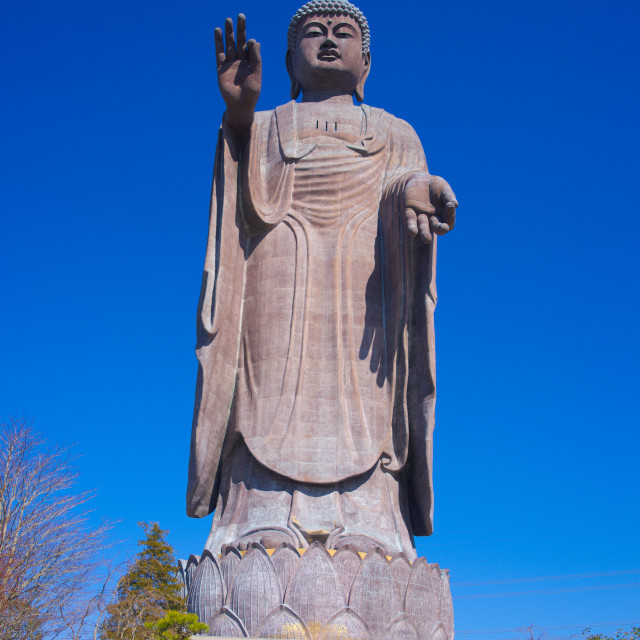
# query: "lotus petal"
(439, 633)
(435, 583)
(346, 562)
(192, 565)
(400, 629)
(401, 569)
(314, 591)
(227, 625)
(421, 600)
(446, 603)
(230, 560)
(206, 595)
(346, 624)
(181, 577)
(255, 588)
(285, 558)
(374, 594)
(281, 622)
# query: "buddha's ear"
(295, 85)
(359, 91)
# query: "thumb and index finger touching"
(449, 201)
(434, 214)
(444, 201)
(447, 197)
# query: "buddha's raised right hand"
(239, 74)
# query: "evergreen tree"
(147, 591)
(177, 626)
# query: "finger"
(439, 228)
(241, 44)
(217, 36)
(447, 197)
(448, 214)
(425, 231)
(412, 222)
(254, 55)
(231, 40)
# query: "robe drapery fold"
(315, 322)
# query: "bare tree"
(49, 550)
(84, 620)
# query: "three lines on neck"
(326, 125)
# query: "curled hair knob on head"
(326, 7)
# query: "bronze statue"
(315, 397)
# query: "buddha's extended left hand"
(430, 206)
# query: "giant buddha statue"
(314, 409)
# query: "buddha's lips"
(328, 54)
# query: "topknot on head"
(328, 7)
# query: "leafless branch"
(49, 550)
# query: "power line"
(572, 576)
(547, 591)
(581, 626)
(583, 534)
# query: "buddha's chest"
(318, 124)
(333, 180)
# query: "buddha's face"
(328, 54)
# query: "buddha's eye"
(343, 34)
(313, 33)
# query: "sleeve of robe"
(232, 219)
(412, 277)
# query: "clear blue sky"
(110, 112)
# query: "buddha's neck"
(328, 98)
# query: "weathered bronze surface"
(315, 397)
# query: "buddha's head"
(328, 49)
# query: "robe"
(315, 336)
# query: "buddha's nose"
(328, 44)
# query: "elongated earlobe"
(359, 90)
(296, 87)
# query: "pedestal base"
(318, 594)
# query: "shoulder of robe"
(378, 123)
(263, 121)
(402, 130)
(402, 137)
(263, 117)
